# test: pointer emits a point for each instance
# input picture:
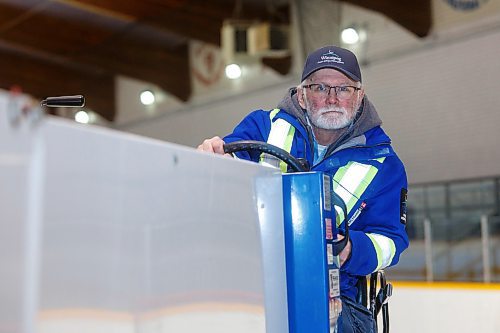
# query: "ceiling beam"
(195, 19)
(416, 16)
(130, 38)
(81, 42)
(114, 46)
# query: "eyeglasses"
(342, 92)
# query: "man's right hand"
(214, 145)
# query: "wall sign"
(207, 65)
(466, 5)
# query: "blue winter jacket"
(378, 234)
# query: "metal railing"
(454, 231)
(470, 255)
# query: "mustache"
(332, 108)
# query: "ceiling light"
(147, 97)
(233, 71)
(82, 117)
(350, 36)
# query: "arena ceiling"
(57, 47)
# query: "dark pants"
(355, 318)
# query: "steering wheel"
(297, 165)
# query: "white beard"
(324, 119)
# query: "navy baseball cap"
(332, 57)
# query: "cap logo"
(330, 57)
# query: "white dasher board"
(102, 231)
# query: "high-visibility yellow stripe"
(279, 133)
(288, 147)
(385, 249)
(356, 180)
(339, 217)
(337, 188)
(273, 113)
(281, 136)
(350, 182)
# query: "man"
(330, 122)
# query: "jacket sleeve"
(255, 126)
(378, 236)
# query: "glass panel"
(472, 198)
(455, 211)
(436, 197)
(494, 231)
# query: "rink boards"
(102, 231)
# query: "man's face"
(329, 111)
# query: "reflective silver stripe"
(281, 136)
(279, 133)
(350, 182)
(385, 249)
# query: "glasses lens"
(342, 92)
(319, 88)
(345, 92)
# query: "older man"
(330, 122)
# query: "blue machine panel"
(312, 270)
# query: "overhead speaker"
(267, 39)
(243, 41)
